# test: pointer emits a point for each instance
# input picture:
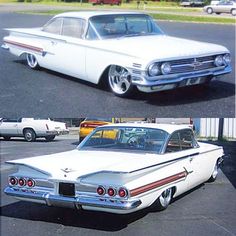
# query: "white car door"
(9, 127)
(65, 49)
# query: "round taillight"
(22, 182)
(111, 192)
(100, 190)
(13, 181)
(122, 192)
(30, 183)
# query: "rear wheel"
(233, 12)
(32, 61)
(50, 137)
(209, 10)
(214, 173)
(29, 135)
(164, 200)
(120, 81)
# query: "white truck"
(31, 128)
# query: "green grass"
(159, 16)
(163, 10)
(199, 19)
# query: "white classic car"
(122, 50)
(31, 128)
(118, 168)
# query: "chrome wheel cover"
(31, 60)
(165, 197)
(119, 79)
(28, 136)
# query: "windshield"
(128, 25)
(126, 139)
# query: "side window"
(174, 143)
(187, 140)
(73, 27)
(53, 26)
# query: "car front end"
(170, 74)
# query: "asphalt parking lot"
(25, 92)
(209, 209)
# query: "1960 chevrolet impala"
(122, 50)
(118, 169)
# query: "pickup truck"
(31, 128)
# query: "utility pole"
(221, 128)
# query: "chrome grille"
(192, 64)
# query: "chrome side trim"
(75, 202)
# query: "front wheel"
(164, 199)
(32, 61)
(29, 135)
(233, 12)
(120, 81)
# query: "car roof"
(169, 128)
(88, 14)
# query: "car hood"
(78, 163)
(160, 47)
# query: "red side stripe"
(37, 49)
(156, 184)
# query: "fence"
(209, 127)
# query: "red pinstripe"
(158, 183)
(33, 48)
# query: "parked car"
(90, 123)
(191, 3)
(222, 7)
(101, 2)
(31, 128)
(126, 51)
(144, 165)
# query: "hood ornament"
(67, 170)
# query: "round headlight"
(153, 70)
(165, 68)
(219, 61)
(227, 59)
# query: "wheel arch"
(28, 127)
(104, 75)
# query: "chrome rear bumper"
(72, 202)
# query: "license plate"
(193, 81)
(67, 189)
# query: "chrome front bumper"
(174, 81)
(72, 202)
